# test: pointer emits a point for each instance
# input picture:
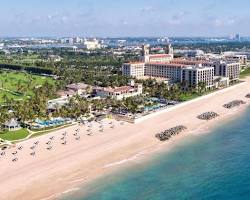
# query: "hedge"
(34, 70)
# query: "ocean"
(214, 166)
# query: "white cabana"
(12, 125)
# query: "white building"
(192, 71)
(221, 67)
(233, 57)
(12, 125)
(220, 81)
(79, 88)
(54, 58)
(194, 75)
(120, 93)
(164, 70)
(92, 44)
(147, 57)
(1, 45)
(134, 69)
(189, 52)
(77, 40)
(227, 69)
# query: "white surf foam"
(120, 162)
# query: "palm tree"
(201, 87)
(4, 116)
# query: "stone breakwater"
(208, 116)
(248, 96)
(167, 134)
(233, 104)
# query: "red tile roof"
(77, 86)
(135, 62)
(65, 93)
(166, 64)
(160, 55)
(117, 89)
(189, 62)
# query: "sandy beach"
(49, 173)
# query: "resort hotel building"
(191, 71)
(119, 93)
(134, 69)
(194, 75)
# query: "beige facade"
(152, 58)
(133, 69)
(221, 81)
(194, 75)
(221, 68)
(120, 93)
(164, 70)
(226, 69)
(146, 57)
(242, 59)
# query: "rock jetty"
(207, 116)
(233, 104)
(167, 134)
(248, 96)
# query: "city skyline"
(109, 18)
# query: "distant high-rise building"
(237, 37)
(67, 41)
(77, 40)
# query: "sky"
(124, 18)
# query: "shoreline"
(80, 163)
(147, 155)
(166, 110)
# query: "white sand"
(65, 167)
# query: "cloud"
(124, 22)
(178, 17)
(212, 5)
(148, 9)
(220, 22)
(52, 16)
(57, 18)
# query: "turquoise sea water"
(213, 166)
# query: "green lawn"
(14, 135)
(187, 97)
(190, 96)
(245, 73)
(20, 84)
(21, 59)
